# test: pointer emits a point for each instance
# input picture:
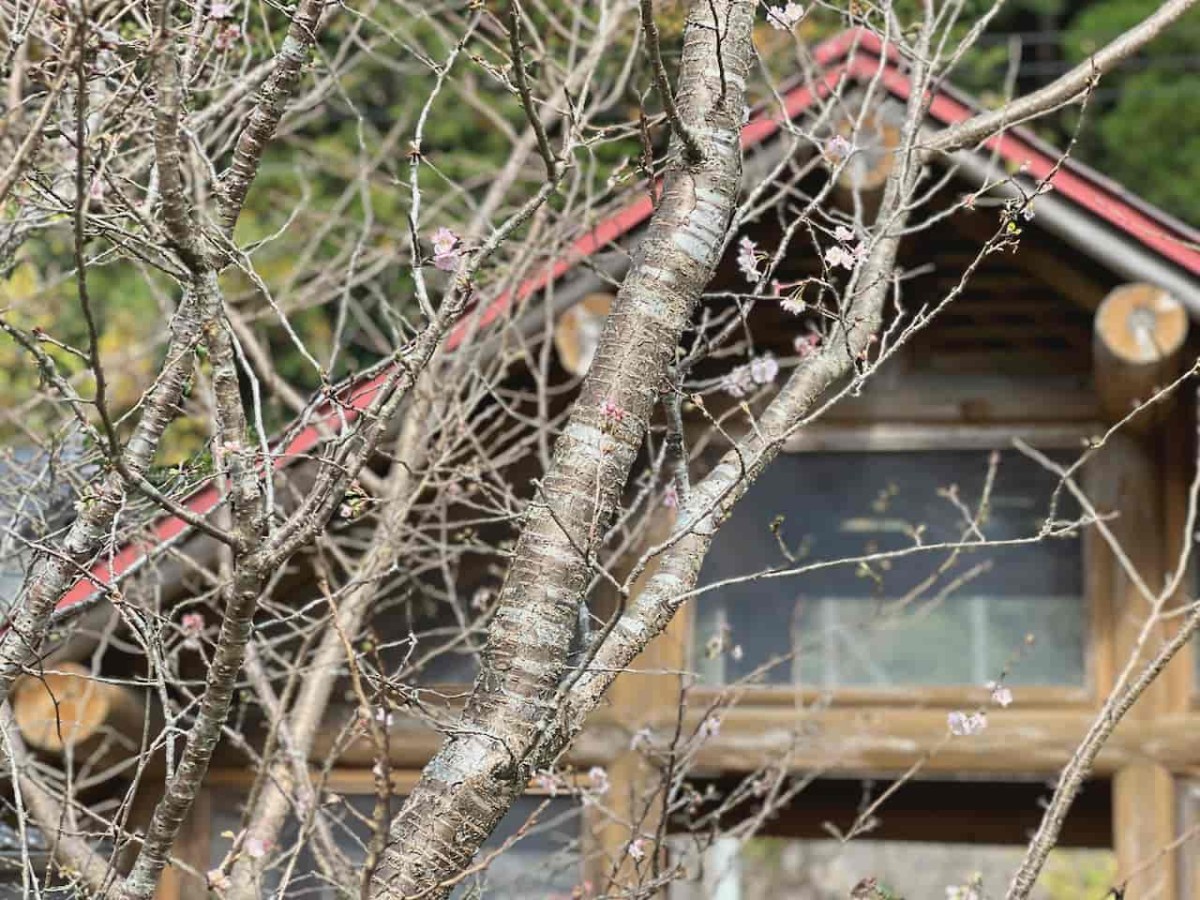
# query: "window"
(543, 863)
(933, 617)
(25, 868)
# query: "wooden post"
(69, 711)
(1144, 831)
(1137, 345)
(643, 697)
(1139, 334)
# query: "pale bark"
(473, 780)
(273, 98)
(241, 599)
(710, 501)
(53, 572)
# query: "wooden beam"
(888, 740)
(892, 437)
(413, 741)
(943, 810)
(1139, 334)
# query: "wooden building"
(1050, 345)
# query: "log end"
(577, 332)
(1141, 324)
(61, 709)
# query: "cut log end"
(68, 708)
(577, 332)
(877, 140)
(1140, 331)
(1140, 324)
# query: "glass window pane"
(938, 616)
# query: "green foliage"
(1146, 131)
(1139, 127)
(1074, 876)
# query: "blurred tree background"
(1142, 126)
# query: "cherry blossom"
(192, 623)
(221, 10)
(793, 304)
(843, 234)
(747, 260)
(806, 345)
(966, 724)
(227, 37)
(839, 256)
(612, 412)
(446, 249)
(547, 782)
(764, 369)
(1001, 695)
(837, 147)
(670, 497)
(598, 776)
(637, 848)
(784, 18)
(256, 847)
(709, 728)
(738, 382)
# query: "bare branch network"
(544, 449)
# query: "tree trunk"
(473, 780)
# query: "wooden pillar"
(1138, 339)
(1128, 483)
(1144, 831)
(643, 697)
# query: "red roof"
(855, 55)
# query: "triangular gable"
(853, 56)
